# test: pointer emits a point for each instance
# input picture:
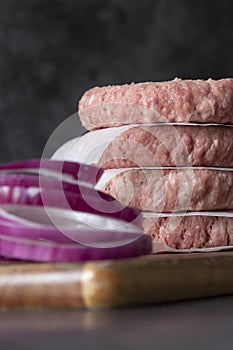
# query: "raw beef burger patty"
(167, 190)
(164, 145)
(190, 231)
(201, 101)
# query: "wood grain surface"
(145, 280)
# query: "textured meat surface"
(190, 231)
(170, 145)
(178, 100)
(167, 190)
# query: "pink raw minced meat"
(169, 190)
(185, 232)
(201, 101)
(169, 145)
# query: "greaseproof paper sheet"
(89, 149)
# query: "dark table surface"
(200, 324)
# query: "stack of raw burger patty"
(173, 155)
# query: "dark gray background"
(51, 51)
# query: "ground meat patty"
(201, 101)
(190, 231)
(169, 145)
(167, 190)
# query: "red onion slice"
(34, 250)
(27, 181)
(34, 223)
(32, 190)
(85, 174)
(4, 260)
(43, 218)
(22, 239)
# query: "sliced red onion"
(27, 240)
(4, 260)
(35, 250)
(43, 218)
(28, 181)
(34, 223)
(85, 174)
(26, 189)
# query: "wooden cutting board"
(145, 280)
